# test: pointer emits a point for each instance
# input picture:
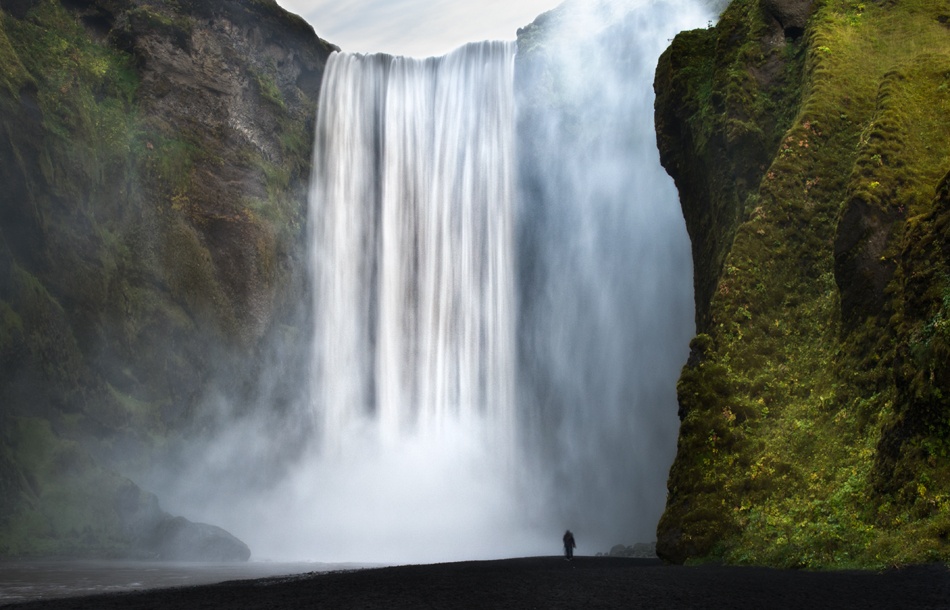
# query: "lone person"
(569, 545)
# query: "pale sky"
(417, 28)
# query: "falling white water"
(412, 208)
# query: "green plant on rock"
(268, 89)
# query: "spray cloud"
(605, 267)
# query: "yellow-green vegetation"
(66, 506)
(82, 87)
(45, 329)
(13, 75)
(164, 17)
(269, 89)
(816, 412)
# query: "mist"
(502, 301)
(605, 269)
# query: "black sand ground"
(551, 582)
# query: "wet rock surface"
(178, 539)
(642, 550)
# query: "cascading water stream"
(412, 224)
(412, 239)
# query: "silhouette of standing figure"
(569, 545)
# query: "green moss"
(68, 504)
(50, 339)
(124, 264)
(903, 150)
(151, 15)
(84, 93)
(268, 88)
(171, 161)
(11, 325)
(280, 209)
(929, 338)
(74, 73)
(165, 18)
(12, 73)
(800, 446)
(142, 416)
(694, 55)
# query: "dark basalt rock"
(860, 267)
(155, 534)
(792, 15)
(18, 8)
(640, 550)
(178, 539)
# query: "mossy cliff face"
(154, 157)
(811, 145)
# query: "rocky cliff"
(154, 160)
(810, 143)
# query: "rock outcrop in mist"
(811, 145)
(155, 159)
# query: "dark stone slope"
(154, 157)
(810, 145)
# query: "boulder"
(178, 539)
(155, 534)
(642, 550)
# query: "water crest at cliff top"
(502, 300)
(413, 221)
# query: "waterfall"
(502, 301)
(412, 236)
(515, 322)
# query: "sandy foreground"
(550, 582)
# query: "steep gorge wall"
(154, 157)
(810, 144)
